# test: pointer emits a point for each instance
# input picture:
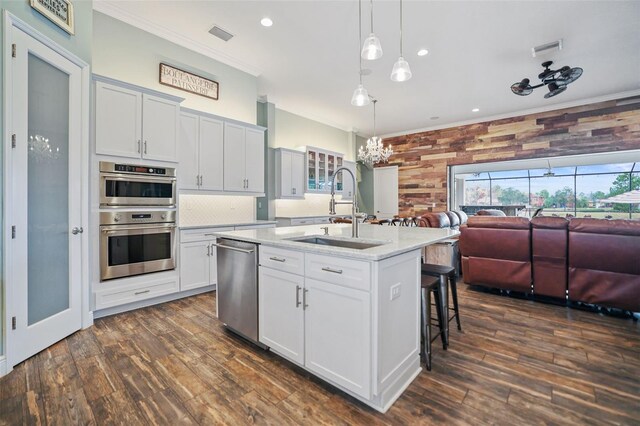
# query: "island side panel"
(397, 346)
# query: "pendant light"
(371, 49)
(360, 95)
(374, 152)
(401, 71)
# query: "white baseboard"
(150, 302)
(3, 365)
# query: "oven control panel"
(108, 167)
(124, 218)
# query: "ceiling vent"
(220, 33)
(544, 49)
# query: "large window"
(582, 190)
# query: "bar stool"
(445, 273)
(430, 285)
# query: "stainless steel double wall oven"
(134, 242)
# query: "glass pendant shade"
(401, 70)
(360, 96)
(371, 49)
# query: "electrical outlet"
(395, 291)
(259, 204)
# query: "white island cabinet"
(350, 316)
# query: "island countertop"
(395, 239)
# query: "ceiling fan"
(555, 80)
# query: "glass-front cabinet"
(321, 164)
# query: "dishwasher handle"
(222, 246)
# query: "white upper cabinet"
(118, 121)
(188, 151)
(200, 152)
(254, 160)
(234, 158)
(160, 119)
(131, 123)
(289, 173)
(211, 154)
(321, 164)
(243, 158)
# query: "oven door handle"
(233, 248)
(110, 230)
(137, 178)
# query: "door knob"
(76, 230)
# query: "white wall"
(127, 53)
(294, 131)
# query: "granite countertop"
(395, 239)
(223, 225)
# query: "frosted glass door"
(45, 197)
(47, 189)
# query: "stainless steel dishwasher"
(237, 292)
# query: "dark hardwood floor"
(516, 362)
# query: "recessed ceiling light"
(423, 52)
(435, 117)
(266, 22)
(475, 110)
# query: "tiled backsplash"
(312, 205)
(212, 209)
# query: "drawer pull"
(304, 299)
(209, 235)
(141, 292)
(277, 259)
(298, 288)
(335, 271)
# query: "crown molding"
(111, 9)
(576, 103)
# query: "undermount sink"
(334, 242)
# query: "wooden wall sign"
(60, 12)
(174, 77)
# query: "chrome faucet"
(354, 203)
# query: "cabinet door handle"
(304, 299)
(145, 147)
(335, 271)
(138, 146)
(141, 292)
(298, 288)
(208, 250)
(278, 259)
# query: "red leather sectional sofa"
(594, 261)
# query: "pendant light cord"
(360, 37)
(374, 117)
(400, 27)
(371, 16)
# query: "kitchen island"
(345, 309)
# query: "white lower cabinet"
(198, 263)
(321, 325)
(337, 329)
(281, 317)
(197, 269)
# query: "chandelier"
(41, 149)
(374, 152)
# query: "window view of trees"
(575, 191)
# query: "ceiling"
(307, 62)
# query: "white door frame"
(379, 169)
(11, 21)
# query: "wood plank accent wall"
(423, 157)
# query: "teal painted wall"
(78, 44)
